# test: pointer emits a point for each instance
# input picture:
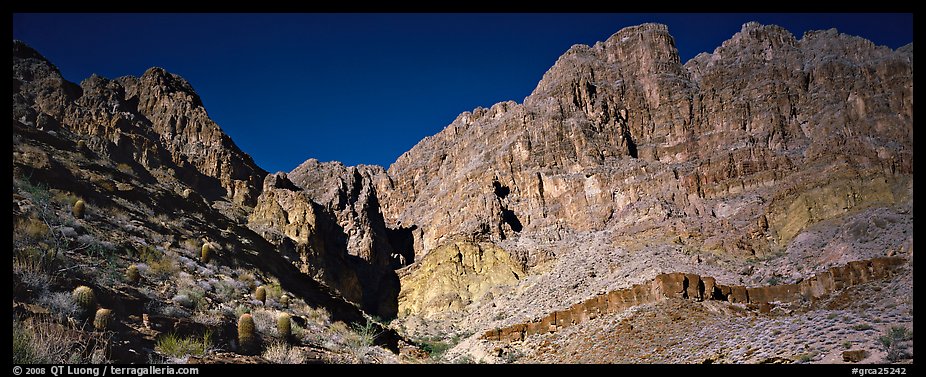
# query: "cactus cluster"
(206, 254)
(247, 339)
(131, 274)
(261, 294)
(79, 209)
(102, 319)
(284, 326)
(85, 299)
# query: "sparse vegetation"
(163, 268)
(367, 333)
(37, 341)
(861, 327)
(282, 353)
(225, 291)
(846, 345)
(435, 349)
(895, 343)
(176, 346)
(274, 290)
(60, 304)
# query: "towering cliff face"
(742, 154)
(623, 135)
(156, 121)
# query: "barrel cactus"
(284, 326)
(247, 339)
(85, 299)
(284, 300)
(102, 319)
(79, 209)
(261, 294)
(206, 254)
(131, 274)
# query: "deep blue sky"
(364, 88)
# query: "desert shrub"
(163, 268)
(148, 254)
(225, 291)
(367, 333)
(33, 268)
(319, 315)
(195, 297)
(242, 309)
(265, 321)
(213, 318)
(435, 349)
(274, 290)
(861, 327)
(282, 353)
(39, 341)
(176, 346)
(895, 343)
(60, 304)
(247, 278)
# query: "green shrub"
(176, 346)
(79, 209)
(102, 319)
(435, 349)
(894, 343)
(247, 339)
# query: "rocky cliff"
(622, 134)
(335, 233)
(739, 154)
(763, 164)
(155, 122)
(126, 189)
